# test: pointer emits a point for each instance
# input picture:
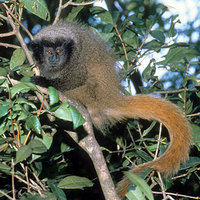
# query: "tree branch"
(18, 35)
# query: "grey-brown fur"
(90, 59)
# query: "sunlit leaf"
(63, 112)
(53, 96)
(75, 182)
(18, 58)
(157, 34)
(37, 7)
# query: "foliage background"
(35, 153)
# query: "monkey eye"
(59, 51)
(49, 51)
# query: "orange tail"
(152, 108)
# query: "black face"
(52, 54)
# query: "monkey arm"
(152, 108)
(41, 81)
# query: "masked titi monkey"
(74, 60)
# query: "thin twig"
(162, 185)
(13, 179)
(70, 3)
(4, 194)
(3, 17)
(18, 21)
(155, 157)
(140, 132)
(9, 45)
(18, 136)
(40, 182)
(30, 184)
(123, 45)
(11, 118)
(174, 91)
(177, 195)
(26, 175)
(7, 34)
(192, 115)
(28, 135)
(158, 143)
(59, 12)
(18, 35)
(80, 4)
(41, 106)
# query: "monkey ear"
(69, 42)
(37, 49)
(34, 45)
(68, 45)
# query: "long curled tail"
(152, 108)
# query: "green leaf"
(135, 19)
(157, 34)
(115, 16)
(74, 12)
(37, 7)
(75, 182)
(33, 123)
(196, 135)
(102, 13)
(63, 112)
(190, 163)
(25, 70)
(69, 113)
(76, 118)
(106, 17)
(143, 186)
(2, 80)
(135, 194)
(3, 72)
(107, 36)
(18, 58)
(149, 71)
(177, 54)
(57, 191)
(3, 127)
(21, 100)
(53, 96)
(37, 147)
(129, 37)
(149, 128)
(153, 45)
(4, 110)
(4, 167)
(22, 87)
(23, 153)
(47, 140)
(172, 31)
(192, 78)
(64, 147)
